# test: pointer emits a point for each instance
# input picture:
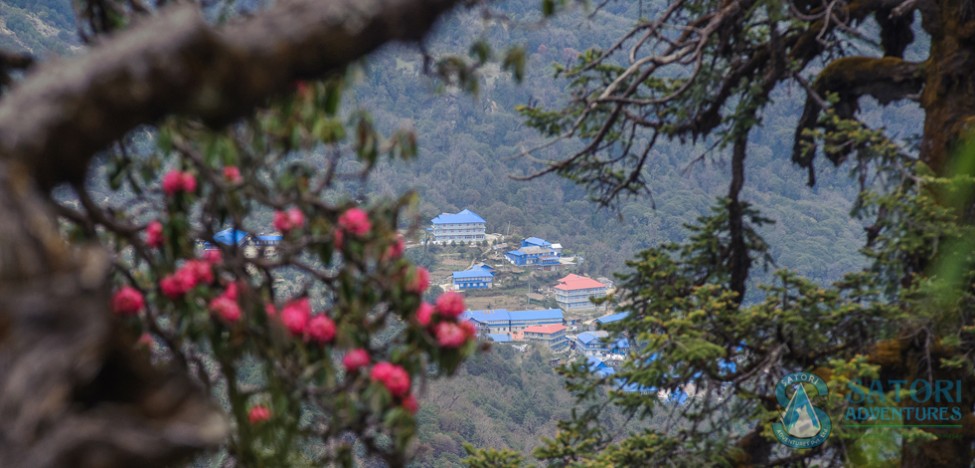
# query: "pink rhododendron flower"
(355, 221)
(270, 310)
(393, 377)
(175, 181)
(320, 329)
(172, 183)
(213, 256)
(424, 314)
(395, 250)
(201, 271)
(259, 414)
(231, 291)
(450, 335)
(154, 234)
(421, 280)
(450, 304)
(410, 404)
(189, 182)
(127, 301)
(176, 285)
(469, 328)
(303, 89)
(295, 315)
(145, 340)
(356, 359)
(232, 174)
(291, 219)
(225, 308)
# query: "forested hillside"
(470, 147)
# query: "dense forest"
(474, 148)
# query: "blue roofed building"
(611, 318)
(478, 277)
(269, 240)
(505, 321)
(229, 237)
(535, 251)
(599, 341)
(598, 367)
(535, 242)
(465, 226)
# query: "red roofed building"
(573, 292)
(552, 335)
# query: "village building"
(250, 244)
(551, 336)
(463, 227)
(477, 277)
(535, 252)
(505, 321)
(599, 342)
(573, 292)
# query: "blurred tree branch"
(71, 391)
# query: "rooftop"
(475, 273)
(587, 337)
(537, 241)
(546, 329)
(574, 282)
(463, 217)
(612, 318)
(506, 315)
(230, 236)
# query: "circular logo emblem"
(801, 424)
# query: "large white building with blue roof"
(507, 321)
(465, 226)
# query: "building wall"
(468, 232)
(474, 283)
(513, 325)
(578, 299)
(555, 341)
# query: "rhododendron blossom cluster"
(232, 174)
(191, 274)
(177, 181)
(259, 414)
(288, 220)
(356, 359)
(127, 301)
(154, 234)
(355, 221)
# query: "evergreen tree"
(708, 70)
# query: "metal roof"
(587, 337)
(505, 315)
(475, 273)
(230, 236)
(463, 217)
(573, 282)
(537, 241)
(612, 318)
